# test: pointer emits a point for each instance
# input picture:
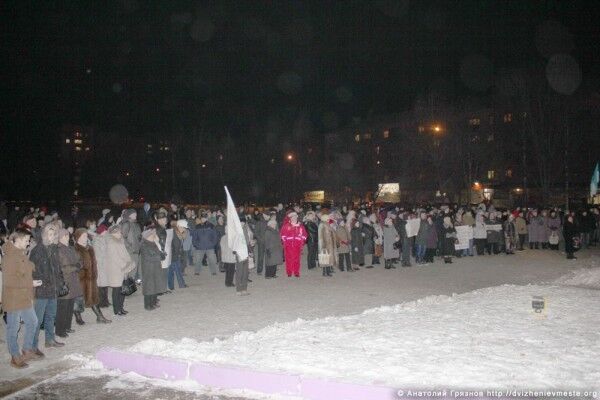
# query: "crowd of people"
(55, 268)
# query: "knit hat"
(182, 223)
(128, 213)
(105, 211)
(291, 214)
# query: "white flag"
(235, 234)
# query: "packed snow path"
(207, 309)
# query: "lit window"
(377, 149)
(421, 129)
(149, 146)
(491, 137)
(77, 134)
(77, 141)
(386, 134)
(491, 173)
(77, 148)
(167, 148)
(367, 136)
(87, 149)
(507, 117)
(67, 141)
(357, 138)
(509, 173)
(474, 122)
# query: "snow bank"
(585, 277)
(489, 338)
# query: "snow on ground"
(486, 338)
(208, 310)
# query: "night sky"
(149, 68)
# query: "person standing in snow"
(449, 240)
(132, 235)
(390, 237)
(343, 249)
(70, 265)
(357, 241)
(293, 235)
(118, 264)
(368, 234)
(312, 242)
(273, 249)
(327, 245)
(151, 269)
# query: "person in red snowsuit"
(293, 235)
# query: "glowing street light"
(290, 157)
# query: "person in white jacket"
(480, 233)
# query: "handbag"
(553, 239)
(324, 258)
(576, 242)
(63, 291)
(128, 287)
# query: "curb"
(233, 377)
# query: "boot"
(18, 362)
(100, 319)
(387, 264)
(32, 355)
(103, 294)
(329, 270)
(324, 271)
(78, 318)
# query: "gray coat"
(343, 240)
(537, 229)
(132, 234)
(70, 265)
(273, 247)
(390, 236)
(422, 234)
(153, 276)
(369, 239)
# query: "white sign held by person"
(464, 233)
(495, 227)
(235, 234)
(412, 227)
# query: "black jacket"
(47, 269)
(313, 232)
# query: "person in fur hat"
(293, 235)
(327, 246)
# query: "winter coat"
(431, 241)
(99, 245)
(569, 231)
(521, 226)
(510, 231)
(177, 253)
(312, 229)
(554, 225)
(70, 264)
(220, 229)
(17, 279)
(343, 240)
(47, 269)
(259, 230)
(357, 249)
(273, 247)
(88, 274)
(293, 237)
(187, 242)
(227, 255)
(368, 239)
(204, 237)
(537, 229)
(153, 276)
(390, 236)
(424, 228)
(118, 262)
(378, 234)
(327, 244)
(132, 235)
(479, 231)
(449, 241)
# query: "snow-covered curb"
(230, 377)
